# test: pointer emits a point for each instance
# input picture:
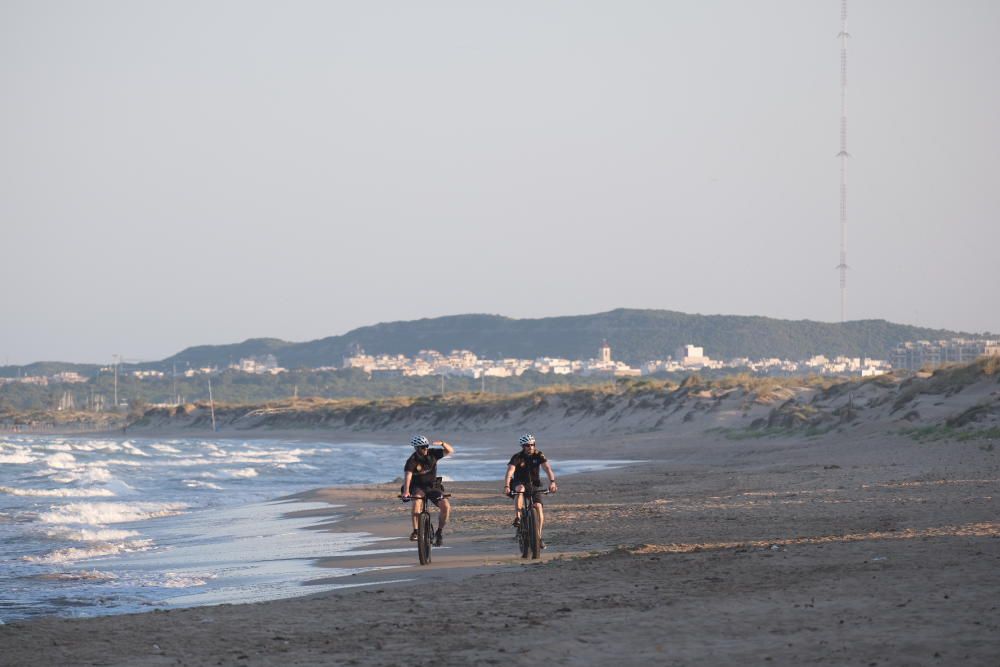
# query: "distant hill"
(634, 335)
(49, 368)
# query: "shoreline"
(837, 549)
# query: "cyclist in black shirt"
(421, 481)
(522, 475)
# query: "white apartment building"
(914, 355)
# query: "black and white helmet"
(526, 439)
(420, 441)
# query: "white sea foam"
(132, 449)
(91, 474)
(73, 554)
(90, 534)
(59, 493)
(81, 575)
(167, 449)
(198, 484)
(177, 580)
(96, 446)
(18, 456)
(243, 473)
(263, 457)
(102, 513)
(185, 463)
(119, 488)
(61, 461)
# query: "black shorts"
(433, 493)
(536, 491)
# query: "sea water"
(94, 526)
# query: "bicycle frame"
(529, 532)
(425, 528)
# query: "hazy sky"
(179, 173)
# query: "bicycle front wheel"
(425, 533)
(524, 533)
(536, 533)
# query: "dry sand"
(859, 549)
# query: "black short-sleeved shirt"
(424, 468)
(526, 467)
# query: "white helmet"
(420, 441)
(526, 439)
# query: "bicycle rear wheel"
(524, 533)
(425, 534)
(536, 533)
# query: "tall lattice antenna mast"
(843, 155)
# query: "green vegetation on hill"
(635, 336)
(47, 368)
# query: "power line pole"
(843, 155)
(211, 402)
(117, 359)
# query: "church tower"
(605, 353)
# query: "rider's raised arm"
(448, 449)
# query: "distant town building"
(914, 355)
(604, 366)
(68, 377)
(690, 356)
(258, 365)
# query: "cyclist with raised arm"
(522, 477)
(420, 481)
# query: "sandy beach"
(867, 549)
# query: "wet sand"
(870, 549)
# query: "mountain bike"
(425, 529)
(529, 529)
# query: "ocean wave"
(166, 449)
(91, 474)
(61, 461)
(103, 513)
(263, 457)
(244, 473)
(96, 446)
(132, 449)
(185, 463)
(90, 535)
(73, 554)
(177, 580)
(231, 473)
(59, 493)
(18, 456)
(198, 484)
(79, 575)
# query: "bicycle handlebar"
(515, 493)
(409, 498)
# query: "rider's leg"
(443, 514)
(541, 516)
(518, 500)
(418, 506)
